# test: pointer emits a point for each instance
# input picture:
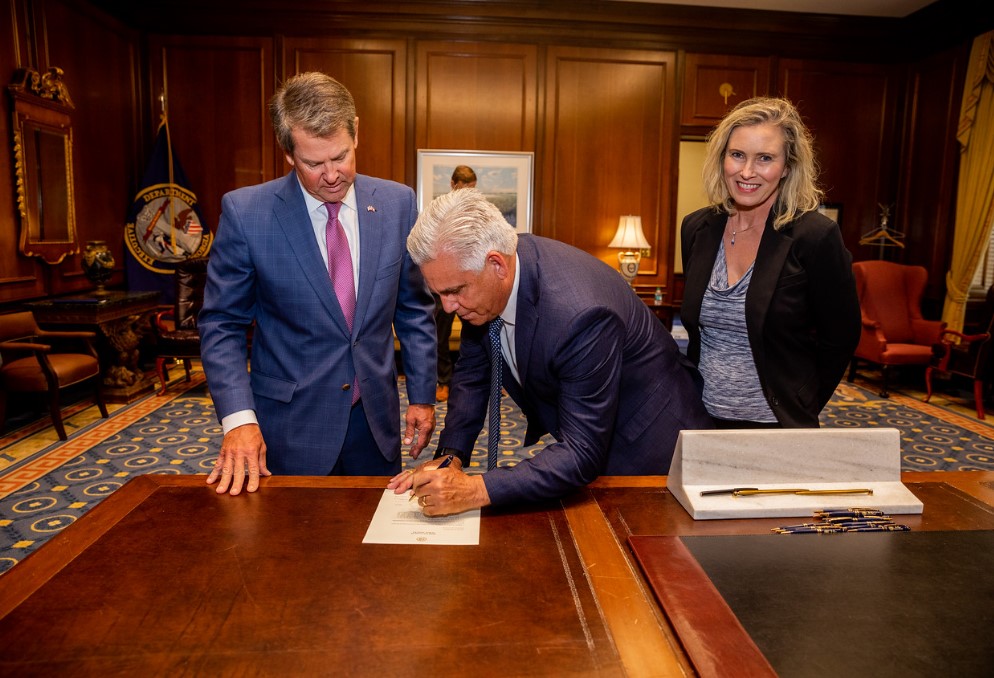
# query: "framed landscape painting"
(504, 178)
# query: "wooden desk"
(789, 589)
(119, 318)
(166, 577)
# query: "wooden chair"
(38, 361)
(894, 331)
(966, 355)
(175, 330)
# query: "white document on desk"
(398, 520)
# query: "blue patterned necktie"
(496, 375)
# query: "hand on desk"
(242, 448)
(420, 424)
(441, 491)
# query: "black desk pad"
(868, 604)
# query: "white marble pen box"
(770, 459)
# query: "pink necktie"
(340, 272)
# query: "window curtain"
(975, 192)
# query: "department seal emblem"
(166, 229)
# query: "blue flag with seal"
(164, 225)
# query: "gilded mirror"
(43, 164)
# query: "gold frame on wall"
(506, 179)
(43, 164)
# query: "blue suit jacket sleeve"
(228, 313)
(586, 363)
(597, 371)
(415, 326)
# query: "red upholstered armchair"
(894, 332)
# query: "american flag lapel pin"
(370, 208)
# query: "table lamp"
(631, 241)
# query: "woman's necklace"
(734, 231)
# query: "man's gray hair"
(464, 224)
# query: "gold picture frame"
(506, 179)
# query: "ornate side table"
(120, 319)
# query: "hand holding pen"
(444, 489)
(404, 481)
(446, 461)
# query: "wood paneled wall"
(713, 82)
(608, 150)
(479, 96)
(928, 162)
(376, 72)
(19, 277)
(215, 91)
(100, 57)
(851, 109)
(600, 92)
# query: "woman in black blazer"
(770, 300)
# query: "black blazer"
(802, 312)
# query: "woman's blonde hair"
(798, 191)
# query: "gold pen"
(750, 491)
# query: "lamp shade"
(629, 235)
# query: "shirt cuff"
(236, 419)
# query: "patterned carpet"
(44, 492)
(933, 438)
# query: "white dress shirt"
(349, 218)
(509, 313)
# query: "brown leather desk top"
(165, 577)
